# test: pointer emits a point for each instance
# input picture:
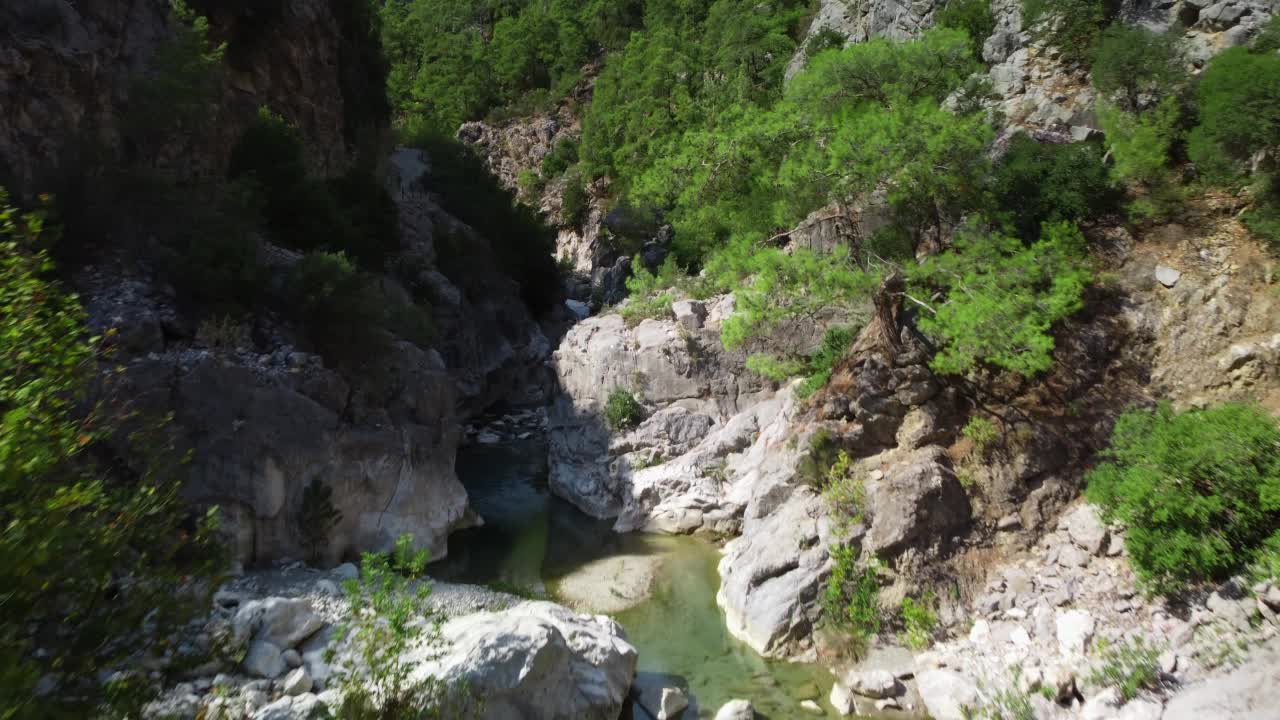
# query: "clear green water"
(531, 539)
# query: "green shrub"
(1140, 143)
(562, 157)
(1002, 298)
(214, 261)
(575, 200)
(817, 367)
(340, 308)
(1131, 62)
(823, 453)
(1268, 41)
(185, 80)
(352, 214)
(1128, 666)
(1072, 26)
(775, 368)
(1266, 565)
(370, 229)
(844, 494)
(98, 553)
(851, 597)
(1239, 106)
(972, 16)
(622, 411)
(1199, 491)
(389, 622)
(1035, 183)
(919, 621)
(522, 244)
(825, 39)
(530, 183)
(982, 432)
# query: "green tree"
(1073, 26)
(339, 307)
(389, 632)
(1198, 491)
(1133, 66)
(1034, 183)
(185, 80)
(973, 17)
(1141, 143)
(1240, 103)
(1002, 298)
(90, 549)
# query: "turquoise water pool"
(531, 540)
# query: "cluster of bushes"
(346, 312)
(458, 60)
(93, 548)
(1156, 117)
(622, 411)
(1198, 491)
(183, 84)
(522, 244)
(816, 367)
(353, 214)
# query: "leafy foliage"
(973, 17)
(919, 621)
(1035, 183)
(563, 156)
(1141, 143)
(185, 81)
(351, 214)
(1128, 666)
(844, 494)
(390, 630)
(1003, 298)
(1131, 63)
(851, 597)
(1199, 491)
(1240, 120)
(1073, 26)
(622, 411)
(74, 530)
(783, 286)
(856, 120)
(1239, 102)
(522, 244)
(690, 62)
(823, 453)
(345, 312)
(982, 432)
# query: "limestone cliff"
(263, 414)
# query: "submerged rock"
(610, 585)
(736, 710)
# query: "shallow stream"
(536, 543)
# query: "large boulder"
(947, 695)
(1250, 692)
(772, 574)
(537, 661)
(684, 377)
(917, 501)
(261, 429)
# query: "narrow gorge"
(653, 359)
